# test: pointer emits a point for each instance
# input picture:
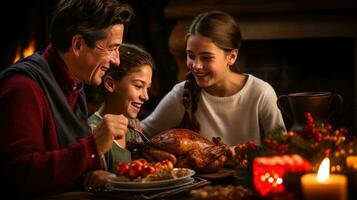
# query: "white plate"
(167, 182)
(181, 183)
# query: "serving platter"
(185, 177)
(150, 188)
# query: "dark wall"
(309, 64)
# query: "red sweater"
(32, 163)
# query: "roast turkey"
(185, 148)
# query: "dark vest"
(70, 125)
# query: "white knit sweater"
(243, 116)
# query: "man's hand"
(96, 178)
(112, 127)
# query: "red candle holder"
(269, 172)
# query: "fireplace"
(302, 46)
(25, 29)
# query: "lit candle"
(323, 185)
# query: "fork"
(131, 126)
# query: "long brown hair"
(225, 33)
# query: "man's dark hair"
(88, 18)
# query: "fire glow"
(24, 52)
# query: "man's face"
(98, 59)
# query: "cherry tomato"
(159, 166)
(147, 169)
(140, 161)
(168, 164)
(135, 169)
(122, 169)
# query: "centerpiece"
(312, 143)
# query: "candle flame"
(324, 170)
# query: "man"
(46, 145)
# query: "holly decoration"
(314, 142)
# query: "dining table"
(225, 178)
(221, 178)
